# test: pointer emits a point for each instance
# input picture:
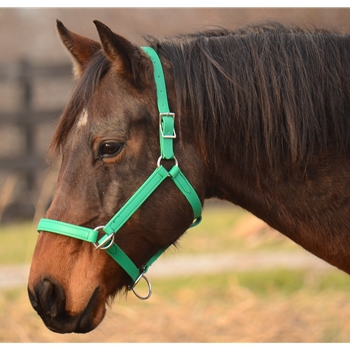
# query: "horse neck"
(307, 202)
(309, 205)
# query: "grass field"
(273, 305)
(223, 229)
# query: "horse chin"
(63, 322)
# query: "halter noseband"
(166, 135)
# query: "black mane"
(268, 92)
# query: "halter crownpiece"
(166, 136)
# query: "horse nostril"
(48, 297)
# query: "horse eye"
(110, 149)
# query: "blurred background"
(36, 80)
(274, 292)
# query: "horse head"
(108, 139)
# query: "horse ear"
(127, 59)
(80, 47)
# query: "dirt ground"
(202, 315)
(204, 308)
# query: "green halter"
(166, 135)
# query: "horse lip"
(61, 325)
(86, 323)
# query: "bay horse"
(259, 116)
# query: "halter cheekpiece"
(106, 242)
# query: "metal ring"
(102, 245)
(148, 284)
(160, 159)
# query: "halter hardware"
(166, 136)
(133, 287)
(103, 245)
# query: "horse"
(258, 116)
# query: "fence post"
(26, 84)
(26, 117)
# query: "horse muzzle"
(49, 301)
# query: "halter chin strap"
(106, 242)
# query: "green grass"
(216, 233)
(219, 286)
(17, 242)
(261, 283)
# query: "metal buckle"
(108, 238)
(169, 114)
(148, 284)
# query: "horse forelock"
(268, 92)
(75, 111)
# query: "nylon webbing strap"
(188, 191)
(124, 261)
(162, 98)
(147, 188)
(63, 228)
(166, 119)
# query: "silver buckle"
(169, 114)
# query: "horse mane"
(268, 92)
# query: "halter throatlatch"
(106, 242)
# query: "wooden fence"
(26, 116)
